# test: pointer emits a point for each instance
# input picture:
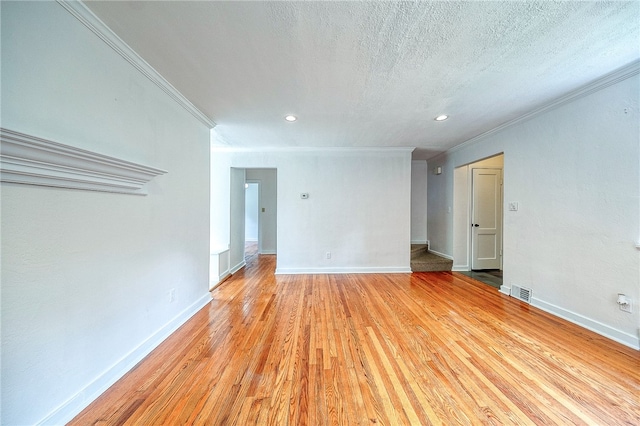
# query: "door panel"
(486, 218)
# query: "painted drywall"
(359, 207)
(237, 210)
(462, 209)
(419, 175)
(86, 276)
(574, 172)
(268, 202)
(251, 206)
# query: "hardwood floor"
(426, 348)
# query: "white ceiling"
(369, 74)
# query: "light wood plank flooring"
(426, 348)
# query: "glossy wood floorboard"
(399, 349)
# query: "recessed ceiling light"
(441, 117)
(291, 118)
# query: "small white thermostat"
(304, 195)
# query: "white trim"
(603, 82)
(344, 270)
(505, 289)
(237, 267)
(218, 267)
(460, 268)
(78, 402)
(588, 323)
(99, 28)
(311, 149)
(418, 241)
(446, 256)
(214, 284)
(268, 252)
(31, 160)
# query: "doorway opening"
(253, 215)
(478, 220)
(251, 218)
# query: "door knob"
(476, 225)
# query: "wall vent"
(521, 293)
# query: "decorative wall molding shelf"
(31, 160)
(99, 28)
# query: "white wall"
(574, 172)
(251, 215)
(86, 275)
(268, 202)
(359, 207)
(237, 242)
(419, 174)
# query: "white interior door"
(486, 234)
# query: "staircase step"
(430, 262)
(418, 249)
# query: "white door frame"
(475, 226)
(462, 210)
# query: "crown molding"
(311, 149)
(603, 82)
(81, 12)
(31, 160)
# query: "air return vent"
(521, 293)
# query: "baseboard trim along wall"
(588, 323)
(345, 270)
(418, 241)
(446, 256)
(575, 318)
(460, 268)
(268, 252)
(78, 402)
(504, 289)
(237, 267)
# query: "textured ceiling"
(369, 74)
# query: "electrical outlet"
(626, 307)
(172, 295)
(328, 255)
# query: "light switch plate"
(513, 206)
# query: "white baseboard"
(237, 267)
(418, 241)
(221, 278)
(578, 319)
(460, 268)
(78, 402)
(588, 323)
(268, 252)
(345, 270)
(446, 256)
